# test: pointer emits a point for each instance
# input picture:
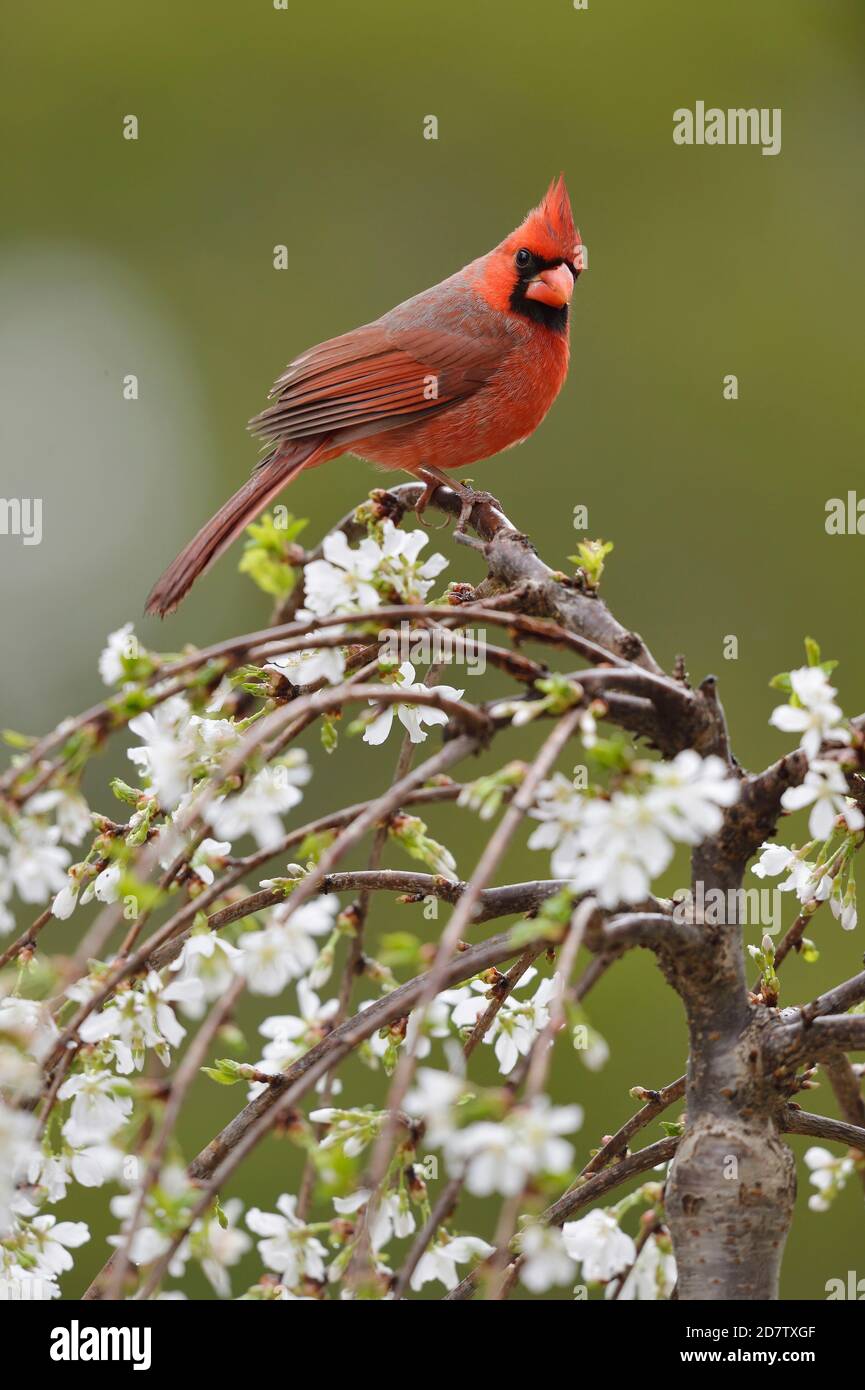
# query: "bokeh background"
(305, 127)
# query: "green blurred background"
(305, 127)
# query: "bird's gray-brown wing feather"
(416, 360)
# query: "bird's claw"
(424, 501)
(469, 499)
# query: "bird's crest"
(549, 229)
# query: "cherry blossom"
(816, 717)
(287, 1246)
(500, 1157)
(36, 862)
(825, 790)
(393, 1215)
(545, 1261)
(597, 1243)
(140, 1018)
(118, 644)
(257, 809)
(412, 717)
(99, 1107)
(210, 960)
(653, 1276)
(829, 1175)
(285, 950)
(517, 1023)
(342, 581)
(439, 1262)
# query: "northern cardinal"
(453, 375)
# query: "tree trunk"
(732, 1185)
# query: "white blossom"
(545, 1261)
(517, 1023)
(218, 1247)
(48, 1242)
(412, 717)
(501, 1157)
(258, 807)
(597, 1243)
(653, 1276)
(105, 888)
(687, 795)
(310, 666)
(412, 579)
(816, 717)
(17, 1150)
(285, 950)
(210, 852)
(393, 1216)
(828, 1174)
(140, 1018)
(804, 878)
(844, 910)
(29, 1023)
(36, 862)
(342, 581)
(290, 1035)
(71, 812)
(825, 790)
(99, 1107)
(287, 1247)
(168, 750)
(153, 1240)
(613, 847)
(433, 1099)
(210, 960)
(439, 1262)
(118, 644)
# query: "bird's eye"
(523, 258)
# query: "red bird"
(453, 375)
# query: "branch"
(792, 1043)
(795, 1121)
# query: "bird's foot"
(431, 486)
(469, 499)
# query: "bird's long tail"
(273, 473)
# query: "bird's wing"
(379, 376)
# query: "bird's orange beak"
(553, 287)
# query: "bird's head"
(534, 270)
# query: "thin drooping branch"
(385, 805)
(496, 847)
(187, 1073)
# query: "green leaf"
(16, 740)
(226, 1072)
(590, 559)
(270, 556)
